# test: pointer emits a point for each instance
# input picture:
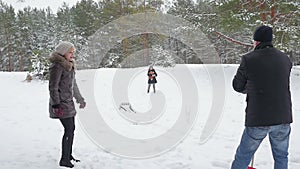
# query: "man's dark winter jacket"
(264, 75)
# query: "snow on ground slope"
(30, 140)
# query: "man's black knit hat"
(263, 34)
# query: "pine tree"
(239, 19)
(8, 34)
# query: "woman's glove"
(82, 105)
(57, 110)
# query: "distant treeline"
(29, 35)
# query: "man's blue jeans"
(252, 137)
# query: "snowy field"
(31, 140)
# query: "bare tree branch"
(233, 40)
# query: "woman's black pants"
(67, 140)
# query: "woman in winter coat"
(62, 88)
(151, 78)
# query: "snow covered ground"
(30, 140)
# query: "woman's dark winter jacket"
(264, 75)
(152, 76)
(62, 86)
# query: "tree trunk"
(262, 8)
(273, 11)
(10, 65)
(21, 64)
(146, 51)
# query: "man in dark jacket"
(264, 75)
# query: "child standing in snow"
(151, 78)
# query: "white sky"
(54, 4)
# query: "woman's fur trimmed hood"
(57, 58)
